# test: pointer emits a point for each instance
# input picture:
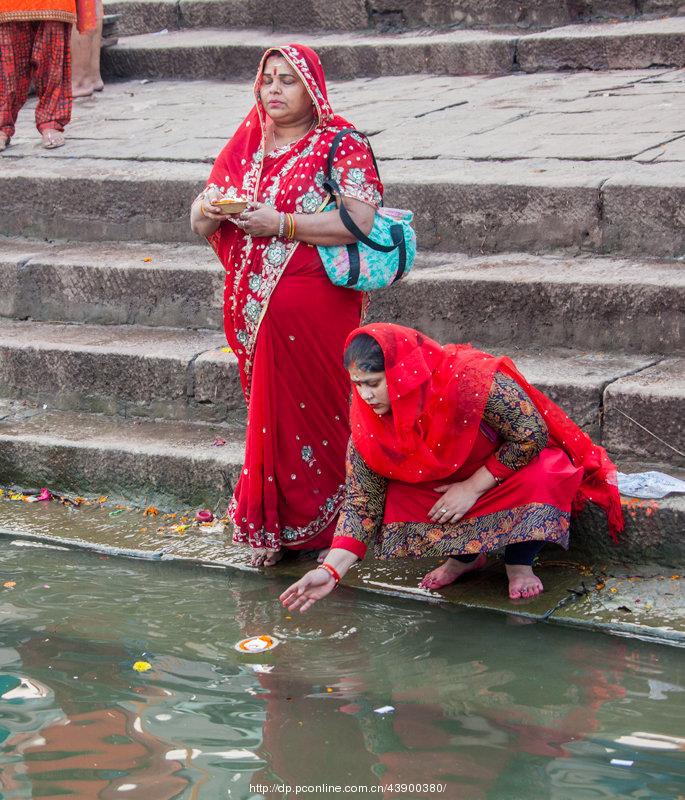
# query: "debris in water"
(151, 511)
(9, 584)
(620, 762)
(28, 689)
(116, 512)
(384, 709)
(142, 666)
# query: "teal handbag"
(375, 261)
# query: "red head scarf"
(438, 396)
(290, 178)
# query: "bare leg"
(450, 571)
(85, 56)
(523, 582)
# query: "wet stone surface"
(643, 601)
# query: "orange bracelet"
(332, 571)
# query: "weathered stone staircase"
(550, 208)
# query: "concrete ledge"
(165, 464)
(143, 16)
(111, 284)
(124, 370)
(643, 413)
(520, 300)
(628, 45)
(475, 207)
(190, 53)
(187, 54)
(653, 532)
(508, 301)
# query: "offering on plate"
(231, 205)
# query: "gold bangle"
(291, 226)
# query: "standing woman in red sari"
(285, 321)
(453, 453)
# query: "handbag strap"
(339, 136)
(332, 186)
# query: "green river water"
(481, 706)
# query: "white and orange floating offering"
(257, 644)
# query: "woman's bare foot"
(262, 557)
(4, 141)
(52, 138)
(82, 89)
(322, 555)
(450, 571)
(523, 582)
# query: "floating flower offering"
(257, 644)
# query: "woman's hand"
(207, 209)
(258, 220)
(312, 586)
(457, 499)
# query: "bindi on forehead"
(277, 66)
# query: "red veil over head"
(290, 179)
(438, 396)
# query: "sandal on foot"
(52, 138)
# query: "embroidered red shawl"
(289, 178)
(438, 397)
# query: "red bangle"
(331, 571)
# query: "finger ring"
(443, 510)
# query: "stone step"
(120, 370)
(512, 300)
(517, 300)
(131, 371)
(534, 205)
(111, 283)
(189, 54)
(158, 462)
(146, 16)
(176, 464)
(646, 409)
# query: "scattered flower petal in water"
(142, 666)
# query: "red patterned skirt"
(291, 486)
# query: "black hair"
(365, 353)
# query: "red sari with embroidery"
(287, 323)
(455, 409)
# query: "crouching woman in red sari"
(453, 453)
(284, 320)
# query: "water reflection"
(491, 709)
